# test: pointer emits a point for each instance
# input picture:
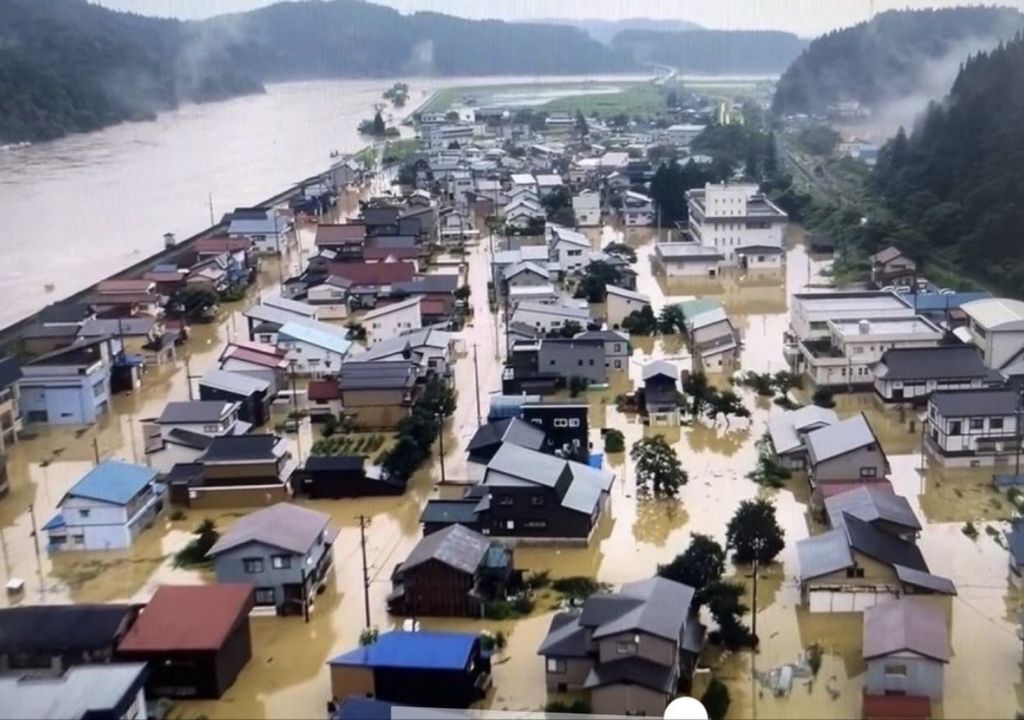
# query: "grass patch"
(637, 99)
(578, 587)
(398, 150)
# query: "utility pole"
(35, 542)
(476, 376)
(758, 546)
(1020, 414)
(295, 412)
(440, 438)
(366, 572)
(96, 449)
(188, 376)
(209, 198)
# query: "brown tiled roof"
(188, 617)
(125, 285)
(323, 390)
(399, 253)
(436, 305)
(373, 273)
(222, 243)
(896, 707)
(349, 233)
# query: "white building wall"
(690, 267)
(102, 527)
(310, 359)
(544, 321)
(618, 308)
(392, 324)
(587, 208)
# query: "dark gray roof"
(10, 371)
(241, 448)
(631, 671)
(945, 361)
(832, 441)
(511, 430)
(194, 411)
(907, 624)
(52, 629)
(872, 503)
(284, 525)
(656, 606)
(450, 511)
(377, 375)
(456, 546)
(439, 284)
(823, 554)
(195, 440)
(40, 331)
(660, 367)
(967, 403)
(925, 581)
(565, 638)
(83, 691)
(235, 383)
(65, 312)
(874, 543)
(602, 335)
(326, 463)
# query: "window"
(313, 362)
(868, 472)
(280, 562)
(855, 572)
(896, 671)
(556, 665)
(83, 512)
(977, 423)
(211, 428)
(574, 422)
(995, 424)
(506, 500)
(955, 427)
(579, 363)
(537, 500)
(265, 596)
(552, 362)
(591, 362)
(99, 389)
(625, 648)
(561, 423)
(536, 524)
(252, 565)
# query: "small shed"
(344, 476)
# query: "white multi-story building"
(810, 312)
(392, 320)
(997, 327)
(971, 428)
(731, 217)
(637, 210)
(586, 206)
(568, 248)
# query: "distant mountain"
(712, 51)
(905, 57)
(605, 30)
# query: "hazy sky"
(805, 17)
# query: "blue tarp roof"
(418, 650)
(936, 302)
(359, 708)
(596, 460)
(113, 481)
(57, 521)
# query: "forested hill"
(897, 55)
(958, 180)
(605, 30)
(713, 51)
(71, 66)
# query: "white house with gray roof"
(788, 429)
(550, 316)
(973, 428)
(390, 321)
(997, 327)
(844, 453)
(311, 350)
(687, 259)
(906, 648)
(910, 375)
(568, 248)
(620, 303)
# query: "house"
(10, 406)
(295, 307)
(344, 476)
(377, 395)
(910, 375)
(849, 356)
(83, 692)
(216, 245)
(251, 393)
(687, 259)
(760, 257)
(996, 325)
(526, 274)
(906, 648)
(891, 267)
(586, 206)
(56, 637)
(503, 259)
(311, 350)
(56, 326)
(330, 297)
(346, 239)
(683, 134)
(454, 572)
(576, 357)
(660, 394)
(268, 230)
(523, 213)
(971, 428)
(69, 386)
(616, 347)
(568, 249)
(845, 452)
(631, 652)
(430, 669)
(550, 316)
(712, 336)
(430, 348)
(548, 184)
(324, 398)
(257, 360)
(729, 216)
(566, 426)
(265, 321)
(372, 281)
(489, 438)
(235, 471)
(184, 429)
(107, 509)
(390, 321)
(620, 303)
(810, 313)
(878, 505)
(284, 551)
(788, 429)
(195, 639)
(637, 210)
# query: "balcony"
(822, 349)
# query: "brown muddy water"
(287, 676)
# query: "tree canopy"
(657, 467)
(754, 532)
(701, 564)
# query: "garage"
(847, 599)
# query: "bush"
(970, 530)
(577, 385)
(614, 441)
(814, 655)
(716, 699)
(823, 397)
(538, 580)
(177, 515)
(580, 707)
(523, 605)
(578, 587)
(368, 636)
(194, 554)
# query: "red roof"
(348, 234)
(169, 276)
(323, 390)
(896, 707)
(830, 489)
(133, 285)
(271, 360)
(398, 253)
(436, 305)
(380, 273)
(218, 244)
(189, 617)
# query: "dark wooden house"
(343, 476)
(195, 639)
(565, 424)
(56, 637)
(252, 393)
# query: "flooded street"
(287, 676)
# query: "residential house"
(429, 669)
(456, 226)
(616, 347)
(534, 293)
(910, 375)
(523, 213)
(731, 217)
(760, 257)
(346, 240)
(390, 321)
(620, 303)
(268, 230)
(683, 134)
(996, 325)
(344, 476)
(906, 648)
(550, 316)
(82, 692)
(235, 471)
(295, 307)
(631, 652)
(372, 281)
(890, 267)
(430, 348)
(195, 639)
(568, 248)
(526, 275)
(788, 429)
(637, 210)
(251, 393)
(687, 259)
(548, 184)
(454, 572)
(56, 326)
(378, 395)
(215, 245)
(586, 206)
(312, 350)
(545, 365)
(971, 428)
(844, 453)
(284, 551)
(183, 430)
(503, 259)
(107, 509)
(56, 637)
(713, 338)
(258, 360)
(324, 398)
(566, 425)
(660, 394)
(10, 407)
(330, 297)
(878, 505)
(69, 386)
(489, 438)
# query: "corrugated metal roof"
(189, 618)
(456, 546)
(232, 382)
(82, 691)
(113, 482)
(907, 624)
(414, 650)
(843, 437)
(823, 554)
(314, 336)
(284, 525)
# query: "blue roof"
(314, 336)
(595, 460)
(414, 650)
(113, 482)
(935, 302)
(57, 521)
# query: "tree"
(621, 250)
(768, 472)
(194, 303)
(699, 390)
(558, 206)
(462, 292)
(671, 320)
(701, 564)
(194, 553)
(597, 276)
(668, 191)
(753, 532)
(451, 116)
(581, 124)
(640, 322)
(619, 120)
(716, 699)
(614, 441)
(379, 128)
(569, 329)
(723, 601)
(727, 403)
(356, 331)
(657, 467)
(823, 398)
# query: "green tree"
(641, 322)
(723, 600)
(668, 191)
(379, 128)
(581, 124)
(614, 441)
(597, 276)
(621, 250)
(753, 532)
(657, 467)
(193, 303)
(671, 320)
(701, 564)
(728, 404)
(194, 553)
(699, 390)
(823, 398)
(716, 699)
(569, 329)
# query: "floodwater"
(287, 676)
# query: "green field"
(635, 99)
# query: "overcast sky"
(805, 17)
